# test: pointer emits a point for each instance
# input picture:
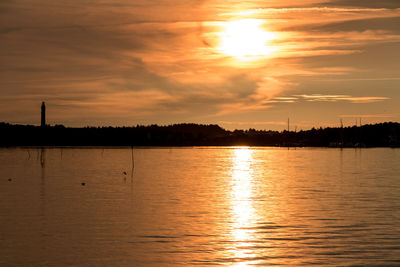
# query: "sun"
(245, 39)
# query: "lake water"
(199, 206)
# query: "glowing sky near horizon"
(239, 64)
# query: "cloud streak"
(328, 98)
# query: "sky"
(239, 64)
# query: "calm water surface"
(199, 206)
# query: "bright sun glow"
(246, 39)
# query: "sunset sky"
(238, 64)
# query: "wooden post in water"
(133, 165)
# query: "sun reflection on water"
(243, 212)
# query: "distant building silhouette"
(43, 120)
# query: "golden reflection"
(241, 202)
(246, 39)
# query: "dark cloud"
(377, 59)
(386, 24)
(241, 85)
(366, 3)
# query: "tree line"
(373, 135)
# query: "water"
(199, 206)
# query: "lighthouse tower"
(43, 120)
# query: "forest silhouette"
(376, 135)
